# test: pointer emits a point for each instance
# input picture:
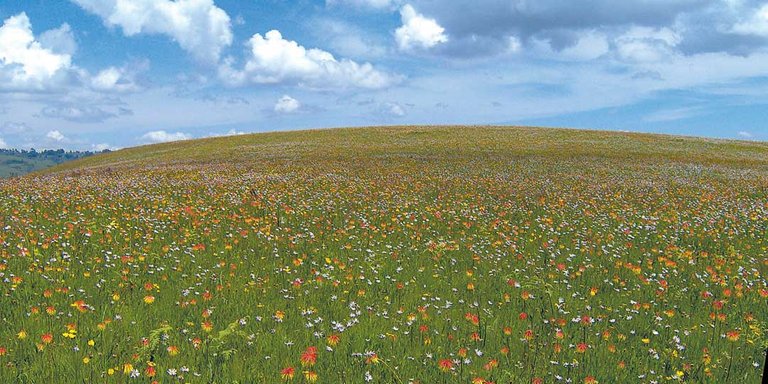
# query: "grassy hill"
(391, 255)
(434, 142)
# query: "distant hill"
(14, 162)
(419, 142)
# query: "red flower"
(445, 365)
(287, 373)
(309, 357)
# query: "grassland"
(391, 255)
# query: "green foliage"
(16, 163)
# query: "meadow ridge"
(391, 255)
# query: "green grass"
(433, 254)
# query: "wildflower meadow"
(391, 255)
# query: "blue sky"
(95, 74)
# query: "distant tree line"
(55, 155)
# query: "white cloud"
(276, 60)
(745, 135)
(164, 137)
(231, 132)
(3, 144)
(375, 4)
(418, 31)
(388, 110)
(643, 44)
(590, 46)
(59, 40)
(122, 79)
(287, 104)
(24, 62)
(198, 26)
(55, 135)
(514, 45)
(755, 25)
(102, 147)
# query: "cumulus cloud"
(25, 64)
(198, 26)
(3, 144)
(757, 24)
(59, 40)
(119, 79)
(100, 147)
(287, 104)
(55, 135)
(273, 59)
(484, 27)
(164, 137)
(418, 31)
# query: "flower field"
(391, 255)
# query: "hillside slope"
(435, 142)
(391, 255)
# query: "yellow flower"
(86, 360)
(91, 343)
(22, 334)
(127, 368)
(110, 371)
(149, 299)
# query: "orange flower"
(172, 350)
(207, 326)
(310, 376)
(732, 335)
(149, 299)
(333, 340)
(47, 338)
(491, 364)
(309, 357)
(528, 334)
(150, 371)
(81, 306)
(287, 373)
(3, 351)
(590, 380)
(445, 365)
(581, 347)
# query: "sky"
(108, 74)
